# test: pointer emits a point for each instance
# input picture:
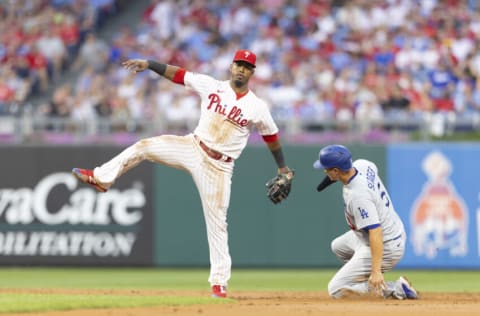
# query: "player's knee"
(142, 143)
(340, 250)
(335, 245)
(333, 290)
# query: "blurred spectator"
(94, 53)
(51, 46)
(20, 86)
(182, 115)
(7, 96)
(163, 17)
(61, 103)
(102, 9)
(368, 114)
(463, 101)
(82, 109)
(58, 107)
(69, 32)
(441, 78)
(444, 102)
(397, 105)
(39, 65)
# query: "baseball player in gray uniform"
(376, 240)
(229, 111)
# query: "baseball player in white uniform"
(229, 112)
(376, 241)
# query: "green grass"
(196, 279)
(132, 279)
(31, 302)
(317, 280)
(441, 281)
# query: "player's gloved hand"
(278, 188)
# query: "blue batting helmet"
(334, 156)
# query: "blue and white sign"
(435, 190)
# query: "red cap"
(245, 55)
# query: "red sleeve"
(270, 138)
(179, 76)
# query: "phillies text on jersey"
(226, 118)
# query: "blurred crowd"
(367, 61)
(39, 40)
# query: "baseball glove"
(278, 188)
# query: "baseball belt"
(213, 153)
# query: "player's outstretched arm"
(139, 65)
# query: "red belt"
(213, 153)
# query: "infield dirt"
(284, 304)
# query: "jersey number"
(383, 195)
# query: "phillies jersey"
(227, 119)
(368, 204)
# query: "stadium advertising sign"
(434, 190)
(51, 218)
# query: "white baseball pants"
(212, 178)
(357, 259)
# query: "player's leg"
(175, 151)
(344, 246)
(353, 276)
(401, 288)
(213, 181)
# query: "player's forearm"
(376, 247)
(165, 70)
(278, 156)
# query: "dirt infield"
(287, 304)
